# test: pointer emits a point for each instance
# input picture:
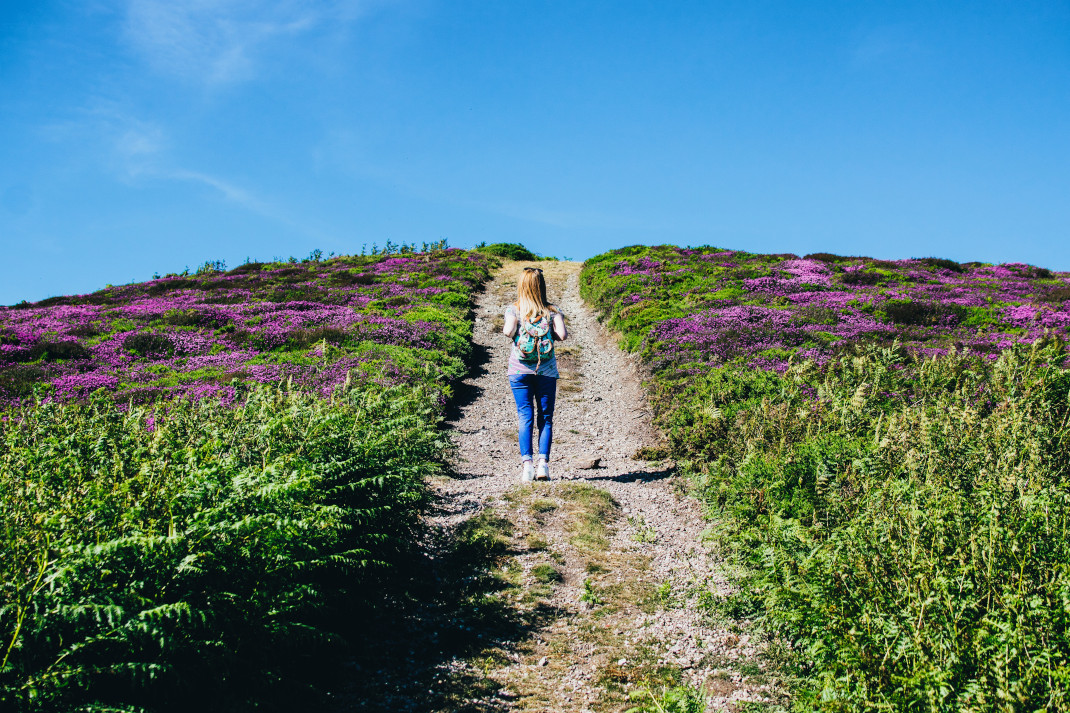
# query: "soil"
(594, 591)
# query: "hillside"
(709, 307)
(820, 483)
(884, 449)
(215, 478)
(313, 323)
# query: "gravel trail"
(615, 617)
(601, 413)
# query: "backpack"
(535, 340)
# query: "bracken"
(890, 464)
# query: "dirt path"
(572, 595)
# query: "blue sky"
(148, 135)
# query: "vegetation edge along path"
(223, 515)
(883, 448)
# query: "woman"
(534, 324)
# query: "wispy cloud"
(136, 146)
(228, 190)
(245, 199)
(219, 41)
(139, 152)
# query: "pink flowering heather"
(695, 308)
(314, 324)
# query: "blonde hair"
(531, 302)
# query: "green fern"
(210, 549)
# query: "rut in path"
(568, 595)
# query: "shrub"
(247, 268)
(346, 277)
(307, 337)
(209, 285)
(831, 257)
(50, 351)
(886, 517)
(86, 331)
(942, 263)
(891, 525)
(1034, 272)
(214, 552)
(252, 320)
(224, 299)
(194, 318)
(1056, 294)
(17, 382)
(817, 315)
(510, 251)
(291, 274)
(862, 277)
(173, 283)
(146, 550)
(59, 351)
(212, 267)
(396, 301)
(149, 344)
(908, 312)
(55, 301)
(302, 293)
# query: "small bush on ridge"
(511, 251)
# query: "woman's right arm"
(509, 329)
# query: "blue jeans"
(543, 391)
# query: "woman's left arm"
(509, 328)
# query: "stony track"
(602, 586)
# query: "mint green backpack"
(535, 340)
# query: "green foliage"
(487, 533)
(510, 251)
(922, 313)
(392, 248)
(590, 594)
(144, 550)
(211, 267)
(908, 525)
(944, 264)
(53, 351)
(216, 554)
(677, 699)
(644, 532)
(904, 519)
(546, 573)
(147, 343)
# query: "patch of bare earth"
(572, 595)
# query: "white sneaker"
(542, 472)
(528, 473)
